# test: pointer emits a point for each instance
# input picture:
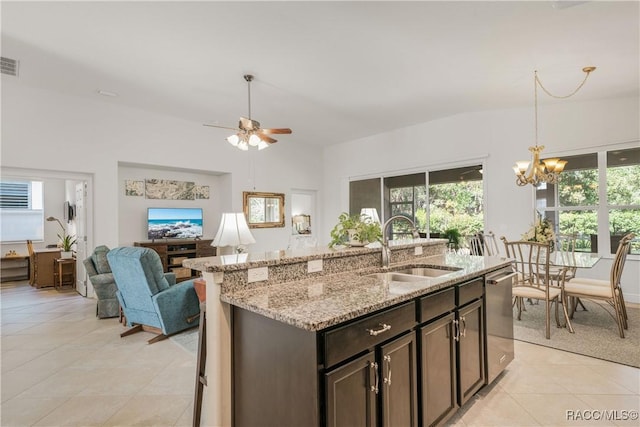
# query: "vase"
(353, 241)
(66, 254)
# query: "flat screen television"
(174, 223)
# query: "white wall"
(133, 209)
(503, 137)
(45, 130)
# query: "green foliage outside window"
(456, 205)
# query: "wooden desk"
(44, 267)
(65, 276)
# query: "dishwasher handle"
(496, 280)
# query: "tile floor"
(61, 366)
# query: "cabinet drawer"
(469, 291)
(434, 305)
(351, 339)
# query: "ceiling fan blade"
(276, 131)
(221, 127)
(266, 138)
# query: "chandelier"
(546, 170)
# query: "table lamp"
(371, 213)
(233, 231)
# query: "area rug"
(596, 334)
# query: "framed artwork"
(169, 189)
(201, 191)
(133, 188)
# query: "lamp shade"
(371, 213)
(233, 231)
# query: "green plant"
(354, 227)
(453, 235)
(67, 242)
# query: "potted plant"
(66, 244)
(355, 230)
(453, 235)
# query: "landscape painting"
(169, 189)
(201, 191)
(133, 188)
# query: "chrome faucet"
(386, 252)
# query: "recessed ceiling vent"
(9, 66)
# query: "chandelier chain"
(587, 71)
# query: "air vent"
(9, 66)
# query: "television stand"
(173, 252)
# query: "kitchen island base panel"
(275, 373)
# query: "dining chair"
(483, 244)
(31, 261)
(609, 291)
(531, 261)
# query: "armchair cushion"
(103, 283)
(99, 258)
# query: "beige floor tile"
(20, 379)
(119, 381)
(186, 419)
(144, 410)
(530, 379)
(25, 412)
(555, 410)
(585, 380)
(177, 379)
(621, 410)
(496, 409)
(84, 411)
(12, 359)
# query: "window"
(406, 195)
(452, 198)
(21, 209)
(598, 194)
(456, 200)
(572, 204)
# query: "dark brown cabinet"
(173, 252)
(398, 387)
(471, 341)
(413, 364)
(351, 393)
(438, 368)
(383, 381)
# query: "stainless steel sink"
(428, 271)
(396, 276)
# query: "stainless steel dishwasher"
(499, 321)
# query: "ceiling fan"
(249, 133)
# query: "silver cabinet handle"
(387, 380)
(493, 281)
(456, 334)
(383, 328)
(374, 366)
(463, 333)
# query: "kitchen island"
(307, 337)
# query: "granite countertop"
(318, 303)
(264, 259)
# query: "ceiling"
(331, 71)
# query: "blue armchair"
(150, 299)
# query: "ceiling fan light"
(233, 140)
(262, 145)
(254, 140)
(243, 145)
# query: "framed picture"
(133, 188)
